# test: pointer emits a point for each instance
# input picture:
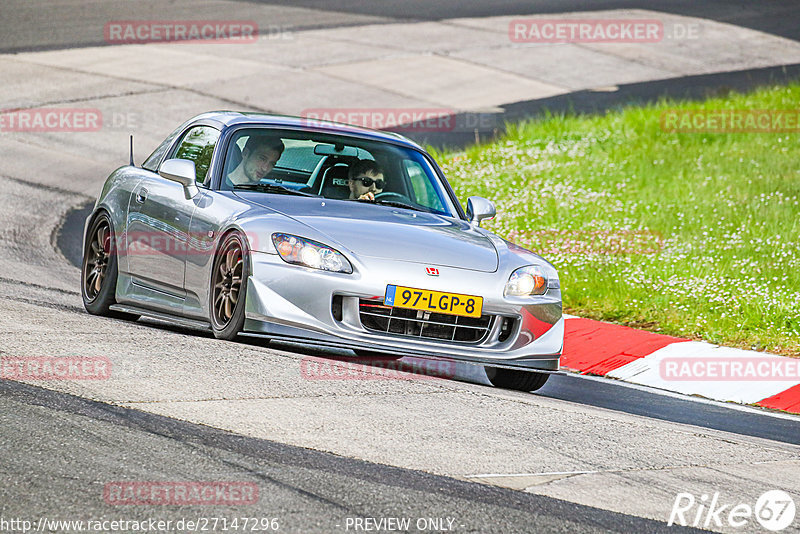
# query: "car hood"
(369, 230)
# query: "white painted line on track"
(532, 474)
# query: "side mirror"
(479, 208)
(181, 171)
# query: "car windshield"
(273, 161)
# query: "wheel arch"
(224, 233)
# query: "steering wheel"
(392, 197)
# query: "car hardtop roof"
(236, 118)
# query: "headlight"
(530, 280)
(301, 251)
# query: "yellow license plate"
(433, 301)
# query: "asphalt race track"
(50, 24)
(307, 490)
(580, 455)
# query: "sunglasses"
(367, 181)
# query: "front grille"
(377, 317)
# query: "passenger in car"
(365, 180)
(259, 156)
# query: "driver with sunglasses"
(365, 180)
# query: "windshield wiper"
(272, 188)
(398, 204)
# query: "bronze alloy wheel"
(98, 256)
(227, 282)
(99, 272)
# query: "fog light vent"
(336, 307)
(506, 327)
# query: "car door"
(158, 225)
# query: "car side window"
(198, 145)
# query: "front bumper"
(295, 303)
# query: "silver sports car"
(320, 233)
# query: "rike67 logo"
(774, 510)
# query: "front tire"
(99, 269)
(229, 286)
(514, 379)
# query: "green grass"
(727, 206)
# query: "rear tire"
(99, 269)
(229, 287)
(514, 379)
